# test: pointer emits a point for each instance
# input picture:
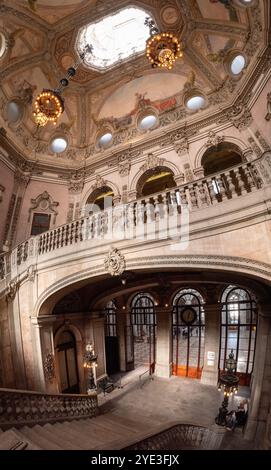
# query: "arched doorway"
(102, 198)
(67, 362)
(188, 332)
(143, 330)
(220, 157)
(238, 331)
(111, 339)
(155, 180)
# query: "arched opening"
(67, 362)
(143, 330)
(111, 339)
(188, 332)
(238, 331)
(101, 198)
(155, 180)
(220, 157)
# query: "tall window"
(40, 223)
(143, 322)
(110, 319)
(188, 330)
(238, 330)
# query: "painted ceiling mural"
(38, 40)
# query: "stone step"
(75, 435)
(36, 437)
(97, 433)
(13, 438)
(61, 438)
(125, 424)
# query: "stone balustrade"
(181, 436)
(19, 408)
(143, 218)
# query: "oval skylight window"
(148, 122)
(59, 145)
(238, 64)
(195, 102)
(14, 111)
(3, 45)
(105, 139)
(114, 38)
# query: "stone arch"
(229, 264)
(79, 352)
(157, 162)
(94, 190)
(226, 139)
(187, 286)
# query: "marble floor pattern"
(177, 399)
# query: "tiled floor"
(176, 399)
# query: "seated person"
(241, 413)
(231, 420)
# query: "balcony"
(198, 209)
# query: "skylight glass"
(114, 38)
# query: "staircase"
(107, 431)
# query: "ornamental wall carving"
(114, 262)
(44, 203)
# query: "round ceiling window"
(106, 139)
(195, 102)
(148, 122)
(59, 145)
(237, 64)
(14, 111)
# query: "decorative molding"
(76, 182)
(45, 203)
(262, 141)
(49, 367)
(114, 262)
(11, 290)
(2, 189)
(214, 139)
(268, 116)
(152, 161)
(99, 183)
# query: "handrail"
(179, 436)
(149, 372)
(22, 407)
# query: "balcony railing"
(130, 220)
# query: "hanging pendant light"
(49, 104)
(162, 49)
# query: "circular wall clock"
(188, 315)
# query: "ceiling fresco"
(41, 44)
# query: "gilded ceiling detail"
(41, 46)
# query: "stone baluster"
(58, 238)
(62, 236)
(47, 242)
(50, 244)
(229, 179)
(221, 187)
(202, 194)
(193, 197)
(250, 181)
(211, 190)
(257, 176)
(149, 211)
(184, 201)
(156, 208)
(240, 181)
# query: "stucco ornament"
(114, 262)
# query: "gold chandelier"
(49, 105)
(162, 49)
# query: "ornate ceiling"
(41, 45)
